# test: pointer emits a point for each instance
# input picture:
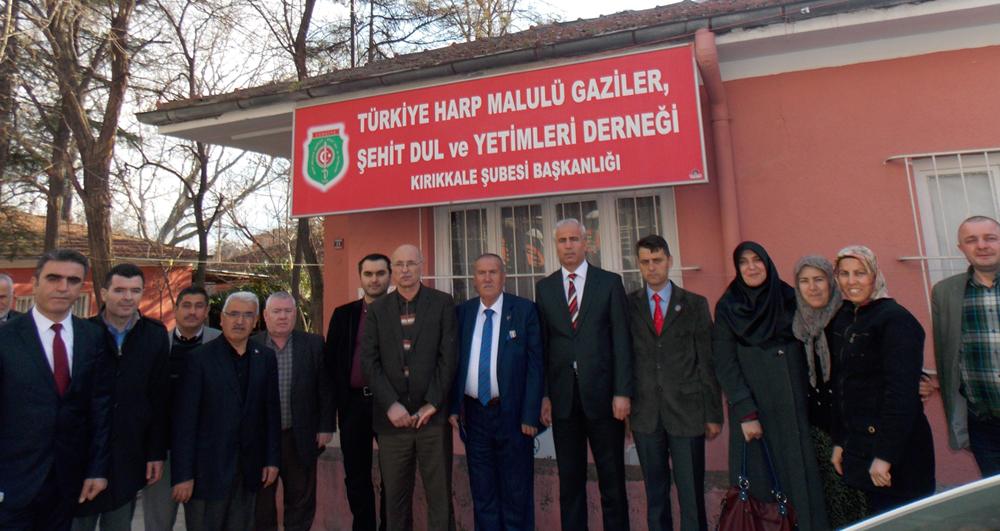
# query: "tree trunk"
(59, 175)
(97, 208)
(8, 71)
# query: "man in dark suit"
(54, 403)
(141, 388)
(354, 398)
(307, 421)
(227, 424)
(159, 510)
(408, 356)
(497, 398)
(7, 299)
(677, 402)
(588, 361)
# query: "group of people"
(826, 372)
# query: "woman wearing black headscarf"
(762, 369)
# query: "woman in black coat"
(762, 369)
(883, 442)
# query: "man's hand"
(453, 420)
(154, 471)
(712, 430)
(752, 430)
(837, 458)
(323, 439)
(879, 472)
(399, 416)
(546, 413)
(182, 491)
(91, 488)
(621, 406)
(269, 475)
(424, 415)
(529, 430)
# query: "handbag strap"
(776, 490)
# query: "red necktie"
(657, 313)
(573, 306)
(60, 361)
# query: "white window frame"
(607, 206)
(940, 243)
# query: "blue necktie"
(484, 359)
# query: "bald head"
(407, 267)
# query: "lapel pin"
(513, 334)
(677, 308)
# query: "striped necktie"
(574, 306)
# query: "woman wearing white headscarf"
(883, 441)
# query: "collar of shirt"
(664, 297)
(47, 335)
(402, 300)
(119, 335)
(581, 272)
(274, 346)
(196, 337)
(497, 306)
(974, 282)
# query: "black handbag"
(743, 512)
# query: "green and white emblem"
(325, 150)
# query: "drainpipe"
(707, 57)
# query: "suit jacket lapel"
(674, 306)
(29, 334)
(78, 341)
(506, 320)
(255, 367)
(422, 309)
(468, 329)
(591, 281)
(641, 306)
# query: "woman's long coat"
(771, 380)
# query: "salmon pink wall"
(366, 233)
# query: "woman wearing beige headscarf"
(883, 441)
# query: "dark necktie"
(485, 350)
(60, 361)
(574, 307)
(657, 313)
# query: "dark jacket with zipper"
(140, 395)
(878, 352)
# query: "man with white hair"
(7, 299)
(306, 399)
(588, 365)
(227, 424)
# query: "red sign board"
(623, 122)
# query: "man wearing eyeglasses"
(306, 415)
(227, 424)
(408, 355)
(55, 398)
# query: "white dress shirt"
(578, 282)
(472, 377)
(47, 335)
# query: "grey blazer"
(674, 377)
(946, 316)
(424, 374)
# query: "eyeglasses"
(241, 315)
(405, 265)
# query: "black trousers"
(607, 442)
(356, 436)
(298, 481)
(233, 513)
(51, 510)
(657, 450)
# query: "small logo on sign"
(326, 161)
